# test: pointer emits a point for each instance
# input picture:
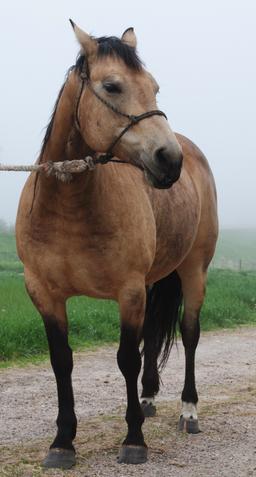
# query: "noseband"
(108, 156)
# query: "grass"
(22, 335)
(8, 247)
(230, 302)
(9, 259)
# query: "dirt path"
(226, 377)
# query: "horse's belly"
(94, 268)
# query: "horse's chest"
(176, 228)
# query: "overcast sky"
(201, 52)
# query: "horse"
(140, 229)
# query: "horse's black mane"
(107, 46)
(113, 46)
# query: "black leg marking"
(134, 449)
(190, 330)
(150, 377)
(129, 362)
(62, 364)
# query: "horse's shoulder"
(192, 152)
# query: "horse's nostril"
(162, 155)
(169, 159)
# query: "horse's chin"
(165, 183)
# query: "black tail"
(163, 308)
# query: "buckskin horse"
(140, 229)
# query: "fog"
(201, 53)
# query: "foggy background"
(202, 54)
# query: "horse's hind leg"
(53, 312)
(164, 299)
(193, 285)
(150, 378)
(132, 309)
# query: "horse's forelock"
(113, 46)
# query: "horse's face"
(132, 90)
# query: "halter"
(108, 156)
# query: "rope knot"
(63, 171)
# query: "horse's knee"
(128, 355)
(193, 289)
(190, 330)
(132, 303)
(60, 351)
(194, 293)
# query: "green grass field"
(22, 332)
(8, 256)
(230, 302)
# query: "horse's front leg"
(132, 301)
(53, 312)
(62, 452)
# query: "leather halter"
(108, 156)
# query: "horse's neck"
(64, 141)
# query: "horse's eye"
(112, 88)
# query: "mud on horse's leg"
(132, 309)
(62, 452)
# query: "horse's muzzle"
(165, 169)
(161, 183)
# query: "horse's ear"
(129, 37)
(88, 44)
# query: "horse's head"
(116, 82)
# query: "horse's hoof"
(190, 425)
(148, 409)
(59, 458)
(133, 455)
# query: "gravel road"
(226, 447)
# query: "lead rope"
(62, 170)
